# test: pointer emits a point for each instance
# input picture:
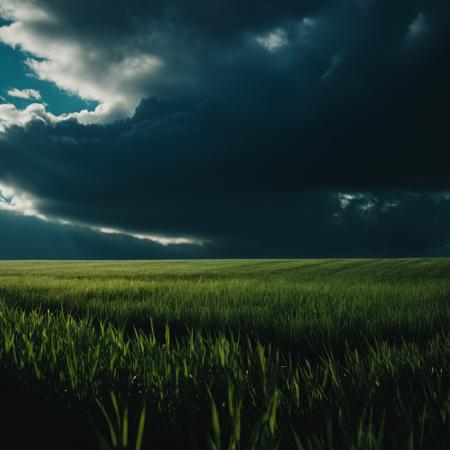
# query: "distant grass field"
(244, 354)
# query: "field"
(208, 355)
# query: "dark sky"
(138, 129)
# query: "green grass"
(314, 354)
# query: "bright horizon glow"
(19, 202)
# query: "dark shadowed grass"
(230, 354)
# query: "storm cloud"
(270, 129)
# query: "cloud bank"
(309, 128)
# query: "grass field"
(245, 354)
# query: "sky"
(224, 129)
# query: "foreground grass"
(231, 354)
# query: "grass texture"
(245, 354)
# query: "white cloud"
(26, 94)
(273, 40)
(18, 202)
(116, 77)
(345, 199)
(163, 240)
(21, 10)
(11, 116)
(364, 202)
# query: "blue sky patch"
(14, 73)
